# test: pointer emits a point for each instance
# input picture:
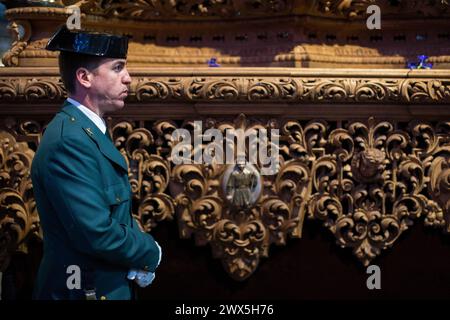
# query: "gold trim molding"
(248, 85)
(194, 9)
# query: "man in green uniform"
(80, 180)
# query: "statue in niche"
(242, 184)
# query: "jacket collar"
(103, 142)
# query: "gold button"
(102, 298)
(118, 199)
(72, 119)
(146, 268)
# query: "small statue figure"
(241, 185)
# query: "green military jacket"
(80, 182)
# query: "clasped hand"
(141, 277)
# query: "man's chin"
(115, 107)
(119, 105)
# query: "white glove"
(132, 274)
(142, 278)
(160, 253)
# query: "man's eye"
(118, 67)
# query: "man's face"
(109, 84)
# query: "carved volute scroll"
(149, 170)
(19, 219)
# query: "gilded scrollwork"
(419, 91)
(18, 214)
(147, 90)
(8, 90)
(277, 89)
(194, 9)
(348, 8)
(440, 191)
(238, 234)
(146, 9)
(369, 189)
(366, 181)
(226, 89)
(432, 144)
(249, 89)
(149, 174)
(44, 89)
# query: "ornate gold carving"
(440, 191)
(8, 89)
(418, 91)
(11, 57)
(296, 89)
(367, 182)
(175, 9)
(149, 173)
(44, 89)
(32, 89)
(348, 8)
(433, 145)
(18, 215)
(146, 9)
(239, 235)
(368, 202)
(299, 89)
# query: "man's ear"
(84, 77)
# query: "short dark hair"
(69, 63)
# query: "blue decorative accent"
(422, 64)
(213, 62)
(81, 42)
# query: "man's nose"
(126, 78)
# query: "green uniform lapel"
(103, 142)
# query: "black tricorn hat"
(94, 44)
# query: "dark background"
(311, 268)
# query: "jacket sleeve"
(75, 190)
